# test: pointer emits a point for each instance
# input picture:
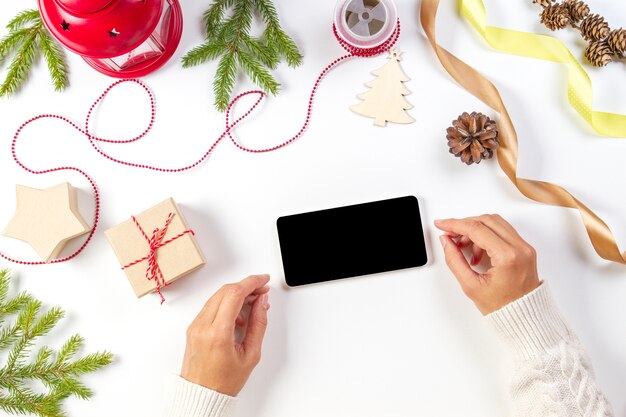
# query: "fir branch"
(13, 305)
(256, 72)
(69, 349)
(241, 22)
(46, 322)
(214, 15)
(268, 12)
(22, 62)
(25, 401)
(206, 52)
(43, 355)
(262, 52)
(59, 372)
(8, 335)
(22, 18)
(89, 363)
(55, 59)
(228, 38)
(78, 388)
(4, 286)
(276, 36)
(29, 39)
(283, 44)
(23, 326)
(11, 41)
(225, 80)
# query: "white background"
(399, 344)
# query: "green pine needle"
(285, 46)
(268, 12)
(11, 42)
(209, 50)
(225, 80)
(69, 349)
(262, 52)
(28, 39)
(257, 73)
(214, 15)
(22, 18)
(275, 35)
(21, 65)
(228, 24)
(55, 59)
(242, 21)
(58, 371)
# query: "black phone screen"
(350, 241)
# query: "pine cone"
(473, 137)
(617, 41)
(543, 3)
(555, 16)
(594, 28)
(598, 53)
(578, 10)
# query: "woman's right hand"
(513, 271)
(214, 358)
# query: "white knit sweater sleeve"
(186, 399)
(553, 376)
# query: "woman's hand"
(214, 358)
(513, 271)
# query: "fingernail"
(437, 221)
(264, 302)
(443, 241)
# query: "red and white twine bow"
(155, 242)
(231, 123)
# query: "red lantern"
(119, 38)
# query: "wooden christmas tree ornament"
(385, 101)
(46, 219)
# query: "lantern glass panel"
(152, 48)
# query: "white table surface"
(399, 344)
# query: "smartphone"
(350, 241)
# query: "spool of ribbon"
(599, 233)
(155, 242)
(380, 40)
(548, 48)
(365, 24)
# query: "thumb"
(257, 323)
(457, 263)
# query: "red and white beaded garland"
(352, 50)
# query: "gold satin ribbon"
(601, 236)
(579, 89)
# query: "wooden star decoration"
(46, 219)
(65, 25)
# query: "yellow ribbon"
(599, 233)
(579, 89)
